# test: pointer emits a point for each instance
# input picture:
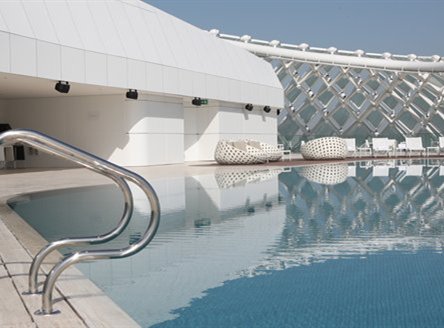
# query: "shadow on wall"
(205, 126)
(102, 125)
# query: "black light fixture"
(278, 112)
(267, 109)
(132, 94)
(249, 107)
(196, 101)
(62, 86)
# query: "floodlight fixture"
(132, 94)
(62, 86)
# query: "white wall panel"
(23, 55)
(3, 26)
(106, 28)
(48, 60)
(208, 120)
(171, 80)
(145, 41)
(175, 148)
(40, 21)
(235, 90)
(4, 53)
(154, 117)
(185, 87)
(95, 68)
(124, 29)
(217, 55)
(61, 18)
(191, 147)
(212, 84)
(231, 120)
(154, 77)
(73, 64)
(202, 55)
(86, 26)
(96, 124)
(166, 56)
(199, 86)
(117, 71)
(188, 46)
(136, 74)
(15, 18)
(174, 42)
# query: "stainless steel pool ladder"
(116, 173)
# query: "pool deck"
(82, 303)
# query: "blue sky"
(397, 26)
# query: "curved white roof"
(129, 44)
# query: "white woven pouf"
(325, 148)
(327, 174)
(227, 153)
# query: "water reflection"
(328, 174)
(221, 227)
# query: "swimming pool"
(331, 245)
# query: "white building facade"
(105, 48)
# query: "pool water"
(356, 245)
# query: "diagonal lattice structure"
(330, 92)
(352, 102)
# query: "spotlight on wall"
(249, 107)
(278, 112)
(267, 109)
(132, 94)
(62, 86)
(196, 101)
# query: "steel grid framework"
(331, 92)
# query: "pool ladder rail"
(120, 176)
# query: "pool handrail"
(93, 240)
(118, 174)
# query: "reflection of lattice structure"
(362, 215)
(397, 204)
(353, 93)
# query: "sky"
(396, 26)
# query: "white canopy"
(129, 44)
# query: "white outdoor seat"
(436, 148)
(351, 146)
(414, 145)
(441, 170)
(273, 153)
(365, 149)
(233, 153)
(401, 148)
(393, 146)
(381, 145)
(325, 148)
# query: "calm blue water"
(321, 246)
